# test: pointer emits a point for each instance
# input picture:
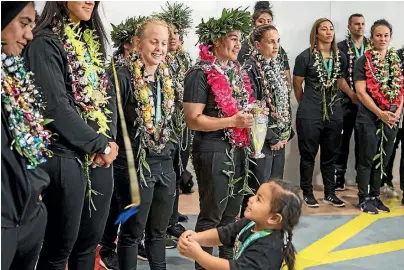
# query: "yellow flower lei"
(91, 100)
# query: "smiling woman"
(146, 89)
(217, 92)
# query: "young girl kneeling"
(262, 240)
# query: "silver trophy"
(258, 132)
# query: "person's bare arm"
(386, 116)
(289, 78)
(298, 87)
(343, 85)
(196, 120)
(208, 238)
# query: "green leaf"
(46, 121)
(378, 165)
(376, 157)
(229, 163)
(378, 131)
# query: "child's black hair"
(289, 205)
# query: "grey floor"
(312, 228)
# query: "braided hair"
(258, 32)
(289, 205)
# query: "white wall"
(294, 20)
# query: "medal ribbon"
(250, 239)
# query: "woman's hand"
(389, 118)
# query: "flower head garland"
(87, 72)
(230, 20)
(276, 95)
(123, 32)
(232, 91)
(328, 81)
(22, 100)
(352, 57)
(177, 14)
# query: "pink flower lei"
(224, 97)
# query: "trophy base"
(257, 155)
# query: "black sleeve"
(257, 257)
(301, 64)
(285, 58)
(124, 81)
(253, 75)
(44, 58)
(344, 64)
(228, 233)
(359, 69)
(243, 53)
(196, 88)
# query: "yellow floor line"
(320, 252)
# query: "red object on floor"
(97, 260)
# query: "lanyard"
(158, 106)
(328, 66)
(358, 55)
(255, 236)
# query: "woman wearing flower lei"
(67, 58)
(263, 15)
(380, 86)
(353, 47)
(217, 94)
(178, 18)
(148, 104)
(270, 85)
(319, 116)
(24, 144)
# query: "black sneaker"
(339, 183)
(182, 218)
(333, 200)
(176, 230)
(380, 205)
(311, 201)
(109, 259)
(170, 242)
(141, 252)
(367, 206)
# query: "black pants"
(350, 111)
(216, 208)
(313, 133)
(20, 246)
(367, 174)
(72, 235)
(269, 167)
(111, 230)
(154, 212)
(180, 158)
(388, 178)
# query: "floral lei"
(179, 62)
(232, 91)
(23, 102)
(384, 82)
(152, 137)
(328, 85)
(87, 72)
(276, 95)
(351, 58)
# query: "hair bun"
(259, 5)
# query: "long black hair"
(57, 10)
(289, 205)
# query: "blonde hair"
(142, 27)
(314, 38)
